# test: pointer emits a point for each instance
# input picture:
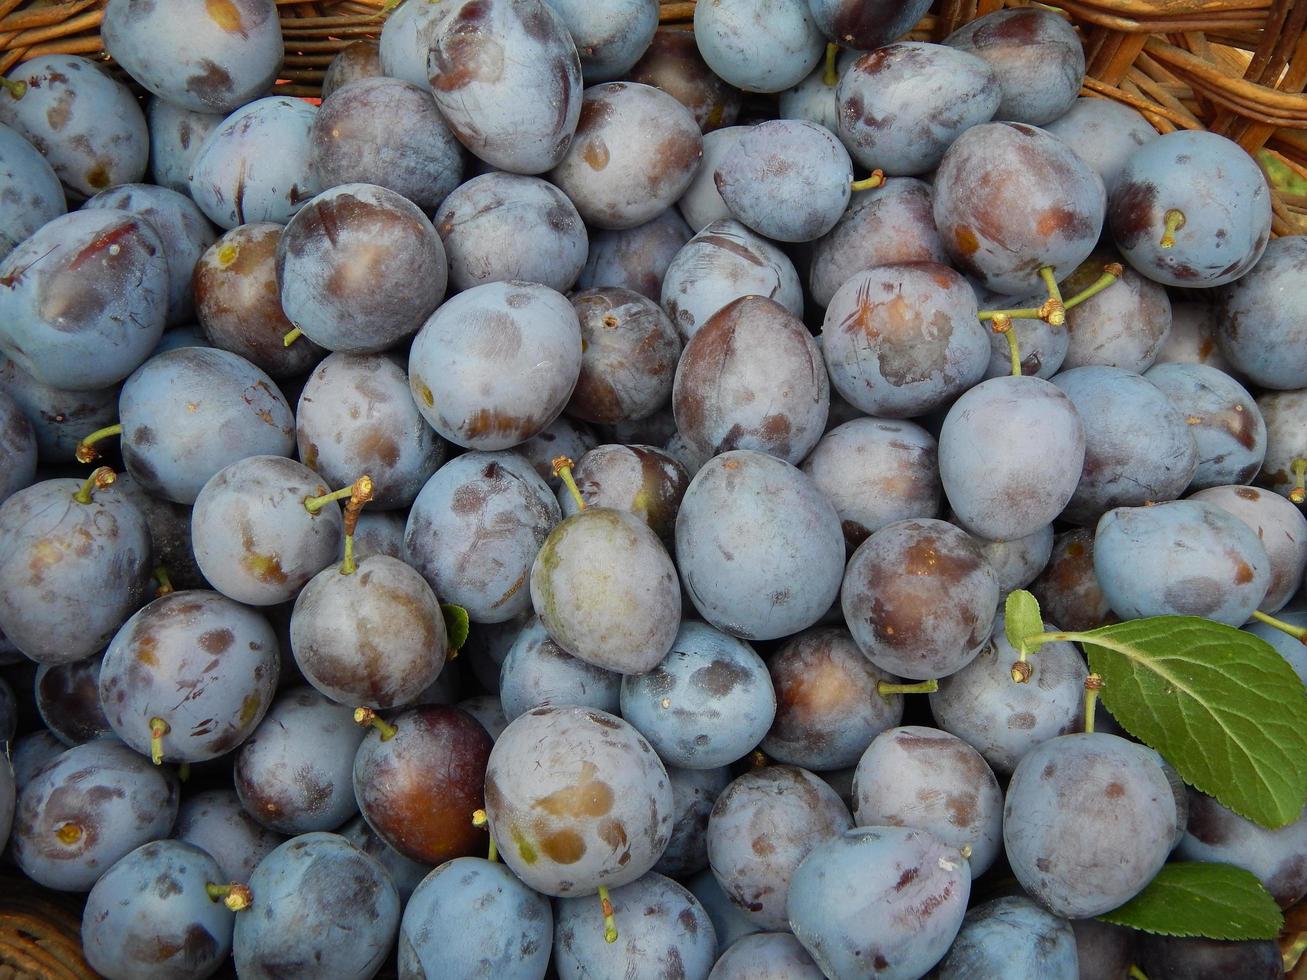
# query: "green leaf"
(1219, 704)
(1190, 898)
(1021, 619)
(456, 625)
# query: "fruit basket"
(1235, 67)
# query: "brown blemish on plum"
(563, 846)
(1132, 212)
(587, 797)
(595, 153)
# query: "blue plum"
(729, 922)
(407, 38)
(629, 357)
(1282, 529)
(354, 63)
(214, 821)
(1124, 326)
(59, 417)
(1286, 438)
(759, 46)
(1194, 958)
(812, 100)
(635, 258)
(1011, 937)
(29, 753)
(404, 872)
(702, 204)
(1180, 558)
(747, 524)
(1104, 133)
(610, 36)
(694, 793)
(17, 448)
(1226, 423)
(29, 188)
(1257, 328)
(1277, 857)
(322, 908)
(176, 135)
(766, 956)
(8, 799)
(537, 671)
(1018, 561)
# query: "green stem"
(235, 896)
(368, 718)
(480, 819)
(1299, 492)
(184, 771)
(315, 504)
(86, 451)
(17, 89)
(1294, 952)
(291, 337)
(101, 479)
(1136, 973)
(1175, 220)
(876, 179)
(158, 729)
(831, 78)
(610, 921)
(165, 583)
(1026, 313)
(1056, 311)
(1111, 273)
(1093, 684)
(563, 470)
(1297, 632)
(885, 688)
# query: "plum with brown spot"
(635, 258)
(672, 63)
(577, 799)
(1258, 323)
(176, 135)
(1277, 857)
(1282, 529)
(641, 480)
(59, 418)
(630, 351)
(29, 188)
(1223, 418)
(68, 699)
(354, 63)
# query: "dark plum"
(507, 79)
(151, 916)
(1168, 225)
(1036, 55)
(787, 179)
(887, 225)
(1224, 419)
(322, 908)
(29, 188)
(1175, 958)
(919, 599)
(538, 672)
(1282, 530)
(1104, 133)
(1067, 589)
(722, 263)
(1180, 558)
(84, 300)
(1124, 326)
(498, 227)
(215, 822)
(176, 135)
(606, 590)
(759, 46)
(931, 780)
(238, 302)
(1035, 204)
(1258, 327)
(496, 364)
(635, 258)
(74, 564)
(360, 268)
(170, 533)
(18, 448)
(1104, 951)
(187, 413)
(610, 36)
(87, 124)
(1071, 798)
(635, 152)
(59, 417)
(694, 792)
(8, 798)
(766, 956)
(387, 132)
(255, 166)
(369, 633)
(707, 704)
(211, 57)
(761, 828)
(578, 799)
(1277, 857)
(1011, 937)
(406, 874)
(30, 753)
(861, 25)
(672, 63)
(1138, 447)
(642, 480)
(356, 415)
(471, 501)
(887, 897)
(629, 354)
(293, 775)
(746, 523)
(407, 38)
(255, 536)
(86, 809)
(828, 706)
(902, 105)
(985, 465)
(420, 778)
(502, 928)
(660, 926)
(223, 655)
(901, 340)
(752, 345)
(354, 63)
(68, 698)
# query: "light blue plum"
(694, 793)
(1017, 562)
(610, 36)
(215, 822)
(766, 956)
(537, 671)
(406, 873)
(1257, 328)
(473, 919)
(176, 135)
(1289, 647)
(409, 34)
(1103, 133)
(635, 258)
(1225, 421)
(708, 704)
(1014, 938)
(729, 922)
(29, 189)
(702, 204)
(759, 46)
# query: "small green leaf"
(456, 625)
(1190, 898)
(1219, 704)
(1021, 618)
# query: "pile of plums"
(725, 382)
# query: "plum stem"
(86, 451)
(235, 896)
(1111, 273)
(480, 820)
(1299, 633)
(1055, 311)
(101, 479)
(315, 504)
(1299, 492)
(158, 729)
(1137, 974)
(184, 772)
(370, 719)
(16, 89)
(831, 77)
(610, 921)
(1174, 222)
(885, 688)
(563, 470)
(165, 583)
(758, 759)
(1093, 684)
(1003, 326)
(876, 179)
(1021, 671)
(360, 495)
(1294, 952)
(291, 337)
(69, 833)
